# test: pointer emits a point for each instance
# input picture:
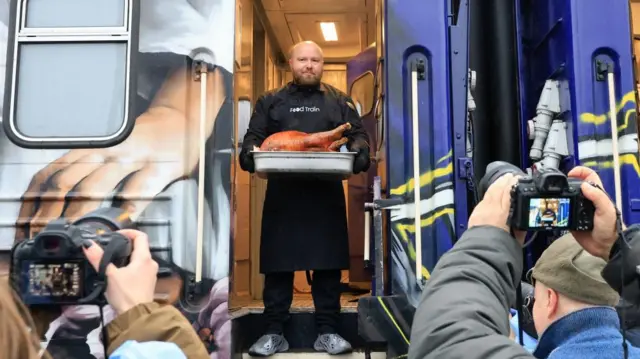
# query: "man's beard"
(311, 80)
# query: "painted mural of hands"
(214, 322)
(162, 148)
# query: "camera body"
(550, 200)
(546, 200)
(51, 268)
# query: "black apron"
(304, 220)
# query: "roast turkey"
(329, 141)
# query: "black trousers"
(278, 295)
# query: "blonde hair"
(18, 337)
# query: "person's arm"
(155, 322)
(256, 133)
(464, 310)
(130, 292)
(357, 135)
(629, 234)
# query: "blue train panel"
(418, 85)
(561, 48)
(461, 87)
(576, 42)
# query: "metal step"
(354, 355)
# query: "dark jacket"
(304, 223)
(464, 311)
(631, 314)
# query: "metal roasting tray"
(321, 164)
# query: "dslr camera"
(546, 200)
(51, 269)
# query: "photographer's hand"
(131, 285)
(599, 241)
(494, 208)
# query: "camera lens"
(494, 171)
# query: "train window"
(85, 89)
(43, 14)
(361, 92)
(69, 84)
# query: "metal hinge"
(465, 171)
(421, 70)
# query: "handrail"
(614, 137)
(415, 123)
(202, 73)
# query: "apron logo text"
(304, 109)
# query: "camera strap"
(96, 296)
(101, 279)
(519, 299)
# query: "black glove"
(361, 162)
(246, 160)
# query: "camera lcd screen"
(549, 212)
(50, 282)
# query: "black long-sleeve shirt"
(301, 108)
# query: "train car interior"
(346, 31)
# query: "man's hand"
(494, 208)
(131, 285)
(247, 162)
(362, 160)
(599, 241)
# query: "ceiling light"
(329, 31)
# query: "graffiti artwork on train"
(409, 52)
(595, 148)
(436, 176)
(436, 221)
(153, 173)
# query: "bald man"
(304, 223)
